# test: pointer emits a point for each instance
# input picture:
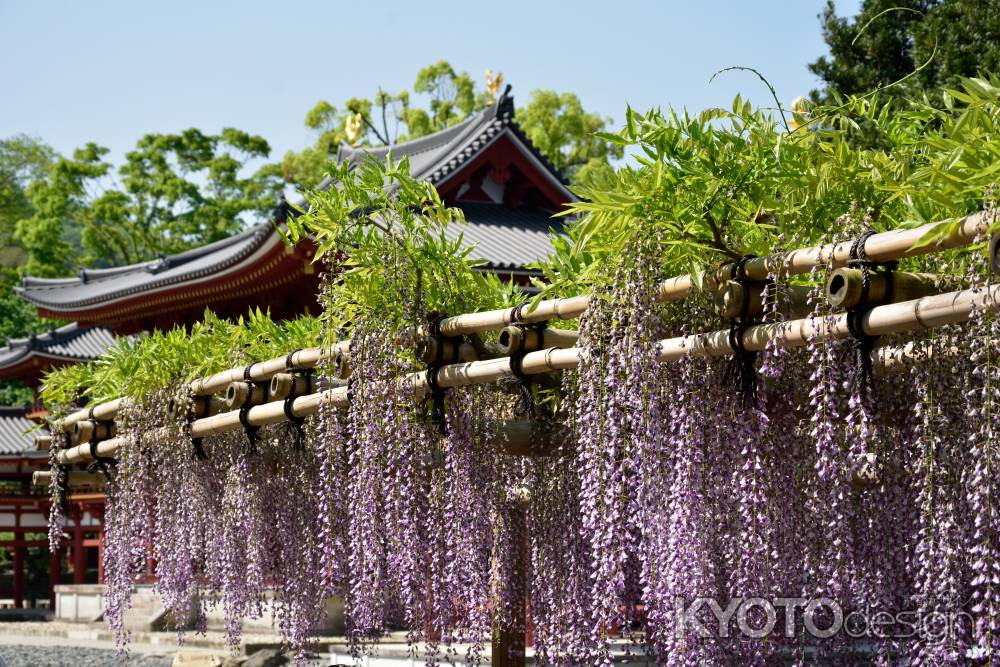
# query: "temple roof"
(69, 343)
(438, 157)
(14, 438)
(101, 286)
(514, 191)
(506, 239)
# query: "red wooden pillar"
(100, 560)
(55, 574)
(79, 557)
(18, 575)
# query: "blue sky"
(112, 71)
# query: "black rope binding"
(526, 400)
(438, 393)
(296, 423)
(196, 443)
(863, 343)
(105, 464)
(249, 429)
(741, 371)
(436, 397)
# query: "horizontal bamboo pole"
(43, 442)
(86, 430)
(260, 372)
(845, 287)
(529, 340)
(919, 314)
(882, 247)
(102, 412)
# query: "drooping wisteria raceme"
(678, 507)
(248, 529)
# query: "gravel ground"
(21, 655)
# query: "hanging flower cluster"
(247, 529)
(675, 510)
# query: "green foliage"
(23, 159)
(724, 183)
(569, 136)
(889, 39)
(140, 366)
(380, 212)
(387, 119)
(556, 122)
(175, 191)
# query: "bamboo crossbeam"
(529, 340)
(260, 372)
(882, 247)
(794, 298)
(86, 430)
(76, 478)
(43, 442)
(845, 287)
(263, 371)
(919, 314)
(102, 412)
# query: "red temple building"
(485, 166)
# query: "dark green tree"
(890, 39)
(174, 191)
(23, 159)
(878, 57)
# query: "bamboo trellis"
(546, 350)
(914, 315)
(882, 247)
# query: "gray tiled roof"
(95, 286)
(71, 342)
(13, 428)
(435, 157)
(507, 239)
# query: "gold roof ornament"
(352, 128)
(800, 112)
(493, 83)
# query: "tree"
(175, 191)
(556, 122)
(23, 159)
(898, 36)
(558, 126)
